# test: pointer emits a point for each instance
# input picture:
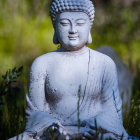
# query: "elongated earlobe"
(55, 39)
(89, 39)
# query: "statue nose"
(72, 30)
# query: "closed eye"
(64, 22)
(80, 22)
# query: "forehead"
(73, 15)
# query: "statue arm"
(37, 109)
(110, 119)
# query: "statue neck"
(79, 51)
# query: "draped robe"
(100, 97)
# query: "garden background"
(26, 32)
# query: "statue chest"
(62, 84)
(64, 79)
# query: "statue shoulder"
(101, 58)
(42, 62)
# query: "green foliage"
(25, 31)
(132, 121)
(132, 117)
(118, 26)
(10, 77)
(12, 107)
(78, 108)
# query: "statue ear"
(55, 39)
(89, 39)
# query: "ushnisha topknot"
(59, 6)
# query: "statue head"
(72, 21)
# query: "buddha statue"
(73, 91)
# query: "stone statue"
(73, 91)
(125, 78)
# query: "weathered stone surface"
(124, 76)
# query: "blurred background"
(26, 32)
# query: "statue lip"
(73, 37)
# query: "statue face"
(72, 29)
